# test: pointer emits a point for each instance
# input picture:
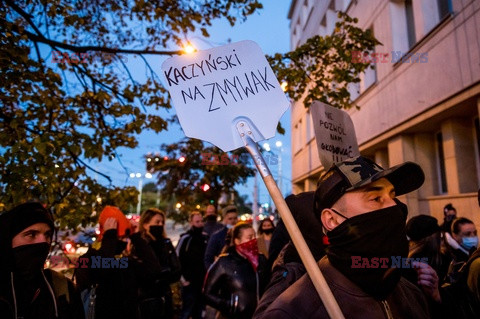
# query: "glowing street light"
(178, 206)
(189, 48)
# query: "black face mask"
(157, 232)
(267, 231)
(379, 234)
(197, 230)
(211, 218)
(30, 259)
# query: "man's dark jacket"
(302, 301)
(191, 250)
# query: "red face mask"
(250, 251)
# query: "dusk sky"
(270, 29)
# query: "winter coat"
(191, 250)
(211, 227)
(232, 286)
(215, 245)
(157, 265)
(301, 300)
(116, 292)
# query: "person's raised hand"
(427, 279)
(110, 223)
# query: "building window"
(410, 23)
(435, 11)
(444, 8)
(369, 77)
(298, 137)
(310, 129)
(403, 26)
(477, 145)
(442, 175)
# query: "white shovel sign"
(230, 97)
(334, 133)
(212, 89)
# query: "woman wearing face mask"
(234, 283)
(265, 231)
(158, 265)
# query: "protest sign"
(218, 87)
(334, 133)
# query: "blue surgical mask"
(469, 242)
(229, 226)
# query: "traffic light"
(205, 187)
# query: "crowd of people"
(375, 262)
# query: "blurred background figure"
(449, 214)
(211, 224)
(235, 281)
(460, 244)
(425, 241)
(157, 265)
(114, 286)
(191, 251)
(264, 235)
(217, 241)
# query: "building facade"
(423, 109)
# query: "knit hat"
(123, 225)
(421, 226)
(360, 171)
(27, 214)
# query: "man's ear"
(329, 219)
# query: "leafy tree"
(324, 67)
(58, 118)
(194, 174)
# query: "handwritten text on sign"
(335, 134)
(219, 85)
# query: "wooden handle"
(314, 272)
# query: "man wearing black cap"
(365, 224)
(26, 289)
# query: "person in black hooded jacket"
(158, 265)
(26, 289)
(235, 282)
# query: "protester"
(107, 272)
(158, 265)
(264, 235)
(365, 224)
(426, 243)
(288, 267)
(191, 251)
(26, 289)
(449, 214)
(211, 225)
(234, 283)
(218, 240)
(461, 244)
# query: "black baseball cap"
(360, 171)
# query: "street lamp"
(140, 186)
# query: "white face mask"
(469, 242)
(229, 226)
